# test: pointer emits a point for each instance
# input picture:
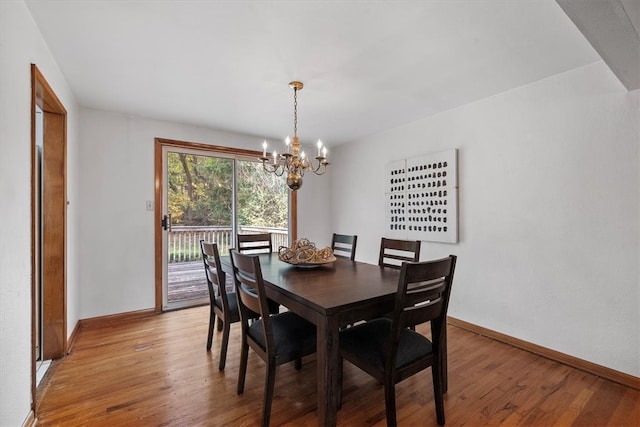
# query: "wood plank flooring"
(157, 372)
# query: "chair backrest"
(247, 275)
(393, 252)
(254, 243)
(423, 295)
(216, 277)
(344, 246)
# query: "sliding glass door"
(212, 196)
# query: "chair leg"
(339, 397)
(242, 371)
(212, 320)
(223, 347)
(220, 324)
(438, 391)
(298, 363)
(390, 402)
(268, 392)
(443, 361)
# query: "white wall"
(548, 209)
(20, 45)
(314, 208)
(117, 236)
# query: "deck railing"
(184, 241)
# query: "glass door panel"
(263, 203)
(199, 205)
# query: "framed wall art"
(422, 198)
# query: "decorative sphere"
(294, 181)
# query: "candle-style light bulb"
(319, 147)
(287, 141)
(275, 157)
(264, 148)
(324, 152)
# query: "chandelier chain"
(295, 111)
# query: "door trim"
(54, 309)
(159, 144)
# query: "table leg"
(328, 358)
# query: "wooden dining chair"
(254, 243)
(344, 246)
(277, 339)
(393, 252)
(224, 305)
(389, 351)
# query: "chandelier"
(294, 162)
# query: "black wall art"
(422, 198)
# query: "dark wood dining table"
(330, 295)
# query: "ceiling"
(367, 66)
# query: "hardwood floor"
(157, 372)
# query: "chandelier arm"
(315, 171)
(321, 162)
(269, 167)
(321, 173)
(298, 171)
(275, 169)
(312, 167)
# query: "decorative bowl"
(304, 253)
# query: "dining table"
(331, 296)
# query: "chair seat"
(369, 341)
(292, 335)
(234, 314)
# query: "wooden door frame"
(53, 239)
(163, 142)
